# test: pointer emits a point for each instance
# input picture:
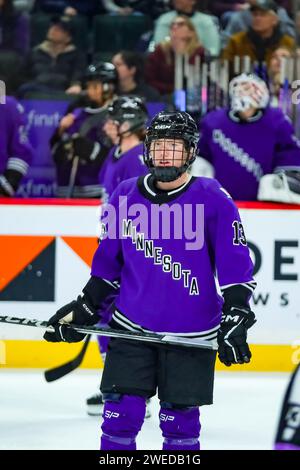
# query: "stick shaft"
(112, 333)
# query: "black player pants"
(181, 376)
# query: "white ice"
(37, 415)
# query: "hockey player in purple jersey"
(126, 126)
(80, 135)
(250, 140)
(168, 237)
(288, 433)
(15, 150)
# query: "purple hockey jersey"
(88, 123)
(121, 166)
(241, 153)
(15, 149)
(167, 249)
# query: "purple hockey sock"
(180, 428)
(122, 422)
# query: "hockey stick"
(112, 333)
(64, 369)
(73, 176)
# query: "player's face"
(111, 129)
(168, 152)
(94, 91)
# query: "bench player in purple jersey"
(80, 134)
(288, 433)
(126, 128)
(15, 149)
(178, 246)
(250, 145)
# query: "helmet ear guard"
(171, 125)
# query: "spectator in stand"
(130, 70)
(241, 21)
(14, 29)
(227, 8)
(262, 38)
(126, 7)
(16, 152)
(205, 25)
(55, 64)
(160, 64)
(274, 74)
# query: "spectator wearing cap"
(205, 25)
(241, 21)
(55, 64)
(262, 38)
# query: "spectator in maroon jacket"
(160, 64)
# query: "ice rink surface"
(37, 415)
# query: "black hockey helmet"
(104, 72)
(172, 125)
(129, 109)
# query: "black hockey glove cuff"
(232, 336)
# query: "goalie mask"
(129, 109)
(248, 91)
(170, 145)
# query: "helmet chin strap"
(168, 174)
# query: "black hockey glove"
(232, 336)
(78, 312)
(9, 182)
(87, 150)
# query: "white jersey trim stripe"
(121, 319)
(17, 164)
(249, 285)
(147, 186)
